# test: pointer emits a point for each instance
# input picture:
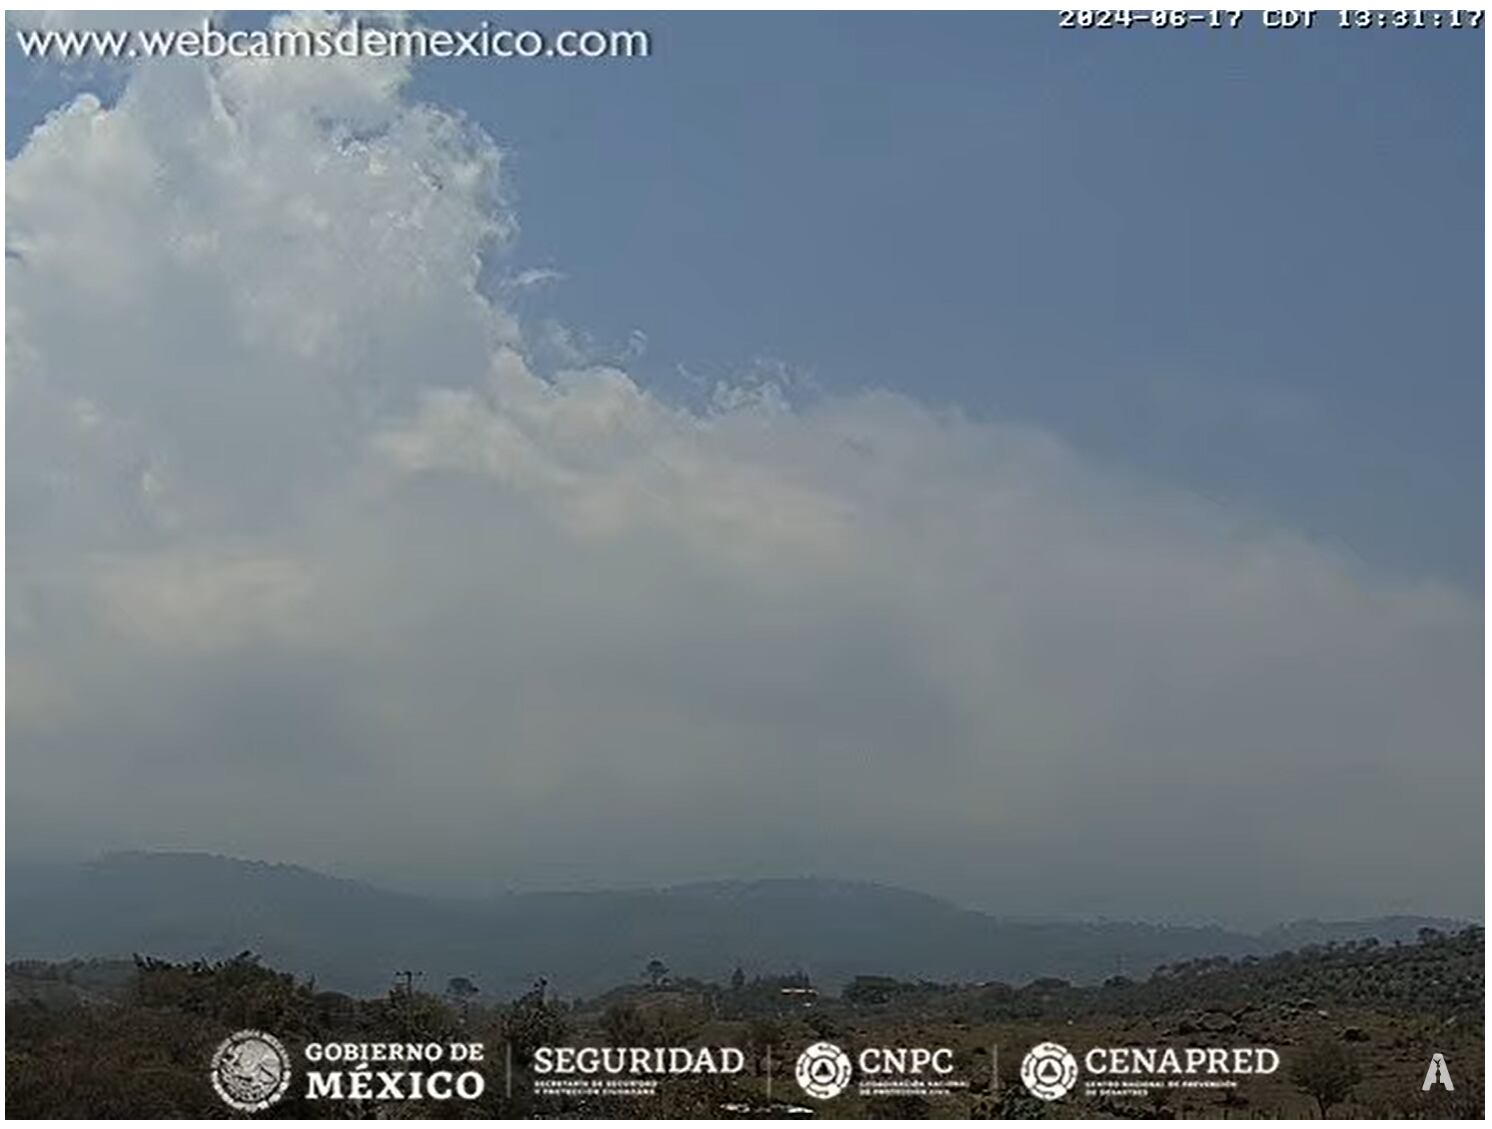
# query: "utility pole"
(406, 1004)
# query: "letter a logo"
(1438, 1073)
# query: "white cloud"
(191, 602)
(105, 19)
(531, 278)
(306, 531)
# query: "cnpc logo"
(824, 1070)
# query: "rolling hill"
(352, 937)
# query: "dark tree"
(531, 1022)
(460, 989)
(624, 1027)
(1327, 1071)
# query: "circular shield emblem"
(1049, 1071)
(250, 1070)
(823, 1071)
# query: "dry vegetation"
(110, 1039)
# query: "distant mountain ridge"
(351, 936)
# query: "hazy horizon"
(439, 894)
(1042, 485)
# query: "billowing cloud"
(318, 554)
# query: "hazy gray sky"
(330, 544)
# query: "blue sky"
(1249, 263)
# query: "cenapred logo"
(823, 1071)
(1049, 1071)
(250, 1070)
